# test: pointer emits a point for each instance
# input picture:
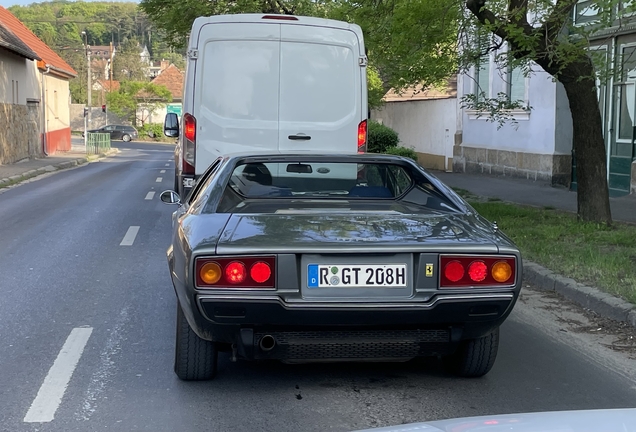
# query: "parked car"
(122, 132)
(269, 83)
(606, 420)
(335, 257)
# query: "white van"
(275, 83)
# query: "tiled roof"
(13, 43)
(414, 93)
(172, 78)
(46, 54)
(106, 84)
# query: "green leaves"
(136, 100)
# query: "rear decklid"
(358, 232)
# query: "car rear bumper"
(304, 330)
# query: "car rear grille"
(364, 344)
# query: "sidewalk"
(531, 193)
(17, 172)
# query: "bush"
(152, 130)
(402, 151)
(380, 138)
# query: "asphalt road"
(76, 303)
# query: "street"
(84, 255)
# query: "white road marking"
(50, 395)
(162, 171)
(159, 179)
(103, 372)
(150, 195)
(167, 164)
(129, 238)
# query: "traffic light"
(85, 111)
(103, 108)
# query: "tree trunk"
(589, 146)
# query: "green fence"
(97, 143)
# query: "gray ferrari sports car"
(362, 257)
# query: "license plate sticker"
(356, 276)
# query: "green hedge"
(152, 130)
(380, 138)
(402, 151)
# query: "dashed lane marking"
(52, 391)
(129, 238)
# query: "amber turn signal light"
(210, 273)
(501, 271)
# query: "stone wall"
(551, 168)
(20, 132)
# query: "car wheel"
(195, 358)
(126, 137)
(474, 357)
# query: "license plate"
(356, 276)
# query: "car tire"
(125, 137)
(475, 357)
(195, 358)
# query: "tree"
(136, 101)
(127, 65)
(542, 33)
(409, 42)
(176, 18)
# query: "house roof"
(106, 85)
(101, 51)
(46, 56)
(11, 42)
(415, 93)
(172, 78)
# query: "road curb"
(606, 305)
(28, 175)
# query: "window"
(55, 103)
(586, 11)
(516, 85)
(482, 77)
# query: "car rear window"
(320, 180)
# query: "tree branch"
(557, 18)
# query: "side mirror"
(170, 197)
(171, 125)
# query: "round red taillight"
(235, 272)
(477, 271)
(454, 271)
(260, 272)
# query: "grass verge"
(596, 255)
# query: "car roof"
(313, 157)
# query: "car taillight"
(462, 271)
(189, 143)
(362, 137)
(232, 272)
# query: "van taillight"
(362, 137)
(189, 143)
(235, 272)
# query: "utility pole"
(90, 84)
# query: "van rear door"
(236, 92)
(320, 89)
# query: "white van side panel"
(236, 91)
(320, 89)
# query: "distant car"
(335, 257)
(122, 132)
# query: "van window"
(240, 80)
(317, 82)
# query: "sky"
(8, 3)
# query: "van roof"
(280, 19)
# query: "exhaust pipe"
(267, 343)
